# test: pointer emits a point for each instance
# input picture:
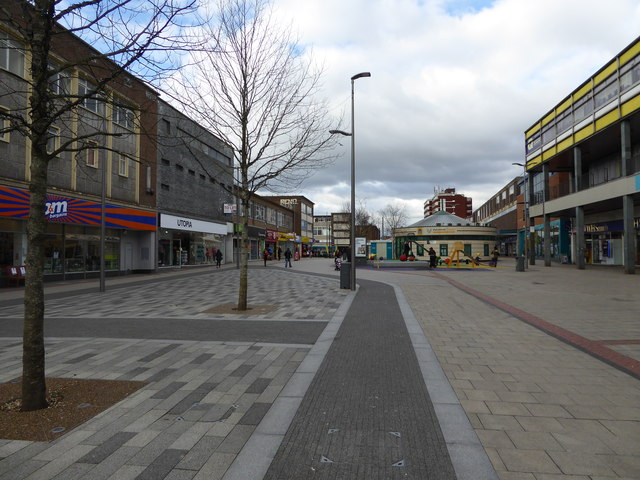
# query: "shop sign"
(283, 237)
(271, 236)
(230, 208)
(14, 203)
(287, 202)
(190, 224)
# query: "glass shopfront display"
(180, 243)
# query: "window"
(92, 100)
(166, 162)
(583, 108)
(166, 126)
(123, 165)
(59, 82)
(91, 154)
(4, 125)
(606, 91)
(123, 116)
(630, 74)
(179, 167)
(11, 54)
(53, 139)
(444, 250)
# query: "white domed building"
(445, 233)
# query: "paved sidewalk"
(539, 374)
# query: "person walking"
(287, 258)
(279, 253)
(265, 256)
(432, 258)
(494, 256)
(218, 258)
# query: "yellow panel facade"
(607, 119)
(604, 74)
(629, 54)
(630, 106)
(584, 133)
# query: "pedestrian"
(265, 256)
(494, 256)
(287, 258)
(218, 258)
(432, 258)
(279, 253)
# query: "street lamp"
(525, 212)
(353, 178)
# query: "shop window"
(12, 54)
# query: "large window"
(630, 74)
(4, 125)
(123, 116)
(93, 101)
(606, 91)
(11, 54)
(59, 82)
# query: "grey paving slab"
(367, 413)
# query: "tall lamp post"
(353, 178)
(525, 212)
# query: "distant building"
(302, 209)
(449, 201)
(445, 232)
(501, 211)
(322, 241)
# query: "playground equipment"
(458, 251)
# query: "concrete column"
(628, 235)
(546, 248)
(547, 241)
(577, 169)
(529, 232)
(580, 245)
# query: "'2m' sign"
(56, 209)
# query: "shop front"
(72, 239)
(603, 242)
(187, 241)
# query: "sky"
(454, 84)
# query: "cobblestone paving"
(296, 297)
(203, 401)
(542, 409)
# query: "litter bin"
(519, 264)
(345, 275)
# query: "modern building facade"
(195, 181)
(587, 147)
(447, 200)
(322, 239)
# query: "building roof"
(442, 218)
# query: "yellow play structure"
(458, 251)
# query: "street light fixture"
(353, 177)
(525, 212)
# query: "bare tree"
(120, 37)
(254, 90)
(393, 216)
(363, 217)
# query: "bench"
(16, 273)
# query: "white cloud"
(454, 85)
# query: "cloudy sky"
(454, 84)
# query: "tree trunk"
(244, 255)
(33, 360)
